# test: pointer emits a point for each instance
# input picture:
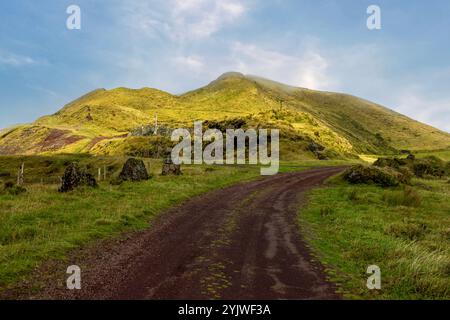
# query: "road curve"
(241, 242)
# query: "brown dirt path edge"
(241, 242)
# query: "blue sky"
(179, 45)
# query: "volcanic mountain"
(106, 121)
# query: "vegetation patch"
(430, 166)
(385, 177)
(404, 230)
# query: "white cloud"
(201, 18)
(424, 108)
(183, 19)
(15, 60)
(309, 69)
(189, 62)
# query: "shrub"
(384, 177)
(430, 166)
(405, 175)
(390, 162)
(12, 189)
(9, 185)
(16, 190)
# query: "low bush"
(384, 177)
(12, 189)
(429, 167)
(405, 175)
(16, 190)
(390, 162)
(422, 168)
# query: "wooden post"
(99, 174)
(156, 124)
(20, 174)
(104, 173)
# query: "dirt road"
(242, 242)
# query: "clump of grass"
(427, 270)
(408, 197)
(19, 233)
(353, 195)
(408, 230)
(326, 211)
(446, 233)
(104, 222)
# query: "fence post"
(20, 174)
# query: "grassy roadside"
(406, 232)
(43, 224)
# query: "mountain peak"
(232, 74)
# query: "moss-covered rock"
(134, 170)
(74, 177)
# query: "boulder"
(75, 177)
(169, 168)
(134, 170)
(315, 147)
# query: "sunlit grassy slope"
(100, 121)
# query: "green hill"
(101, 121)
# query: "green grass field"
(405, 233)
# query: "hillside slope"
(100, 122)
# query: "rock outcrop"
(75, 177)
(134, 170)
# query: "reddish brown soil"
(242, 242)
(57, 139)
